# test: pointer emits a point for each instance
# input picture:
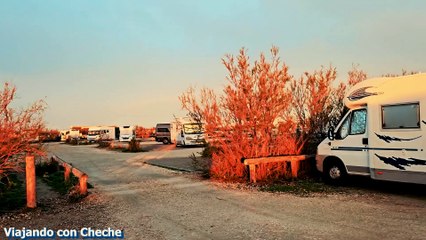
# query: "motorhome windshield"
(193, 128)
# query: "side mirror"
(330, 133)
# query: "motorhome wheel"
(165, 141)
(334, 173)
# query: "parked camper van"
(103, 133)
(64, 135)
(127, 133)
(94, 134)
(166, 132)
(110, 133)
(74, 134)
(383, 135)
(190, 134)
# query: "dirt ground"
(148, 202)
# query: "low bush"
(46, 167)
(53, 175)
(104, 144)
(201, 164)
(12, 193)
(208, 150)
(134, 146)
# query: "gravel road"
(156, 203)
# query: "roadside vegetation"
(12, 192)
(53, 174)
(20, 129)
(264, 111)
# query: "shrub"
(263, 112)
(134, 146)
(12, 192)
(46, 167)
(18, 129)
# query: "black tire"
(334, 173)
(165, 141)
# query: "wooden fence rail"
(70, 169)
(293, 159)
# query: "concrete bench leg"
(252, 173)
(294, 168)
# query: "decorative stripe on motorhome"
(362, 93)
(368, 148)
(401, 162)
(389, 139)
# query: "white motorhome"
(127, 133)
(74, 134)
(102, 133)
(166, 132)
(94, 134)
(190, 134)
(383, 135)
(110, 133)
(64, 135)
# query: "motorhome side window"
(353, 124)
(401, 116)
(359, 119)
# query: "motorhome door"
(351, 142)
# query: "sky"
(126, 62)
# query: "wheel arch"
(333, 159)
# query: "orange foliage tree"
(142, 132)
(251, 118)
(18, 129)
(315, 102)
(264, 111)
(356, 75)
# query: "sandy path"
(154, 203)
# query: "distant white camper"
(127, 133)
(94, 134)
(383, 135)
(64, 135)
(110, 133)
(190, 134)
(102, 133)
(74, 134)
(166, 132)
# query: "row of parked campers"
(98, 133)
(181, 133)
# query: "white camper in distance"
(166, 132)
(102, 133)
(64, 135)
(127, 133)
(383, 135)
(190, 134)
(94, 134)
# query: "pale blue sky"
(126, 62)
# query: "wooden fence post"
(30, 181)
(67, 172)
(252, 173)
(83, 184)
(294, 168)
